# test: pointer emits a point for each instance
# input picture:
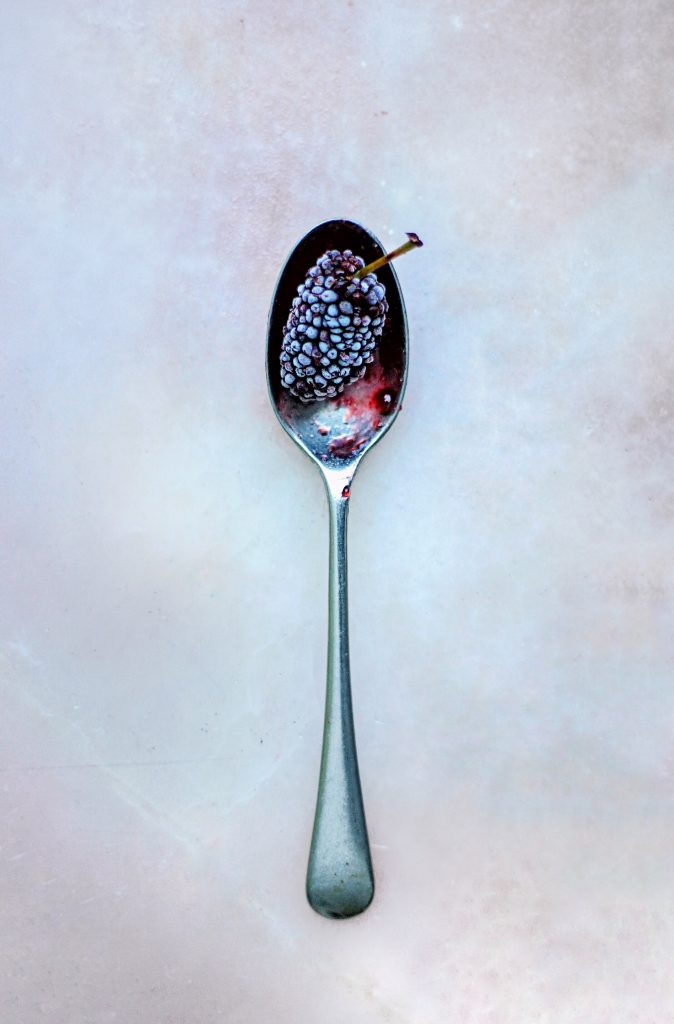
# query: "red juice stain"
(344, 446)
(346, 493)
(382, 401)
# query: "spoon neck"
(338, 482)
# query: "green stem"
(413, 243)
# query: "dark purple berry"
(331, 328)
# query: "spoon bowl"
(336, 433)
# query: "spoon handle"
(340, 881)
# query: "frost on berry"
(332, 328)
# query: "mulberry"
(332, 329)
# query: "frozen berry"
(342, 303)
(307, 363)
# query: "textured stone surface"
(165, 546)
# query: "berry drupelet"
(335, 320)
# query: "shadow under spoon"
(336, 434)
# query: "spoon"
(336, 433)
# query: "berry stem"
(413, 243)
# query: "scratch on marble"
(276, 927)
(126, 791)
(245, 797)
(367, 989)
(106, 765)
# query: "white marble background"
(164, 554)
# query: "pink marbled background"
(165, 554)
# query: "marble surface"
(165, 546)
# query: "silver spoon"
(336, 433)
